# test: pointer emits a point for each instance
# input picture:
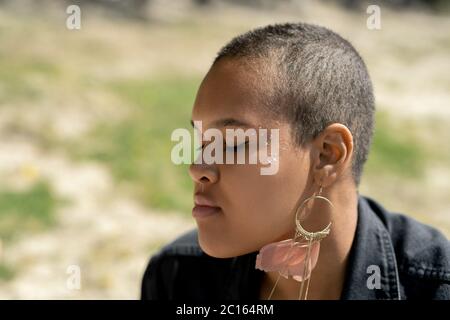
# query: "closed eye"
(228, 148)
(236, 148)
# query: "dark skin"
(257, 210)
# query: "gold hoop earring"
(288, 263)
(311, 237)
(319, 235)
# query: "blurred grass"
(137, 149)
(396, 149)
(6, 272)
(26, 211)
(407, 168)
(19, 79)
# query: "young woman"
(305, 231)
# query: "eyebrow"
(227, 122)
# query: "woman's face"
(255, 209)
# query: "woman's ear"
(332, 154)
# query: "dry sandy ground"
(106, 234)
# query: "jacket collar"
(372, 254)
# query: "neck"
(327, 278)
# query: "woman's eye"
(228, 148)
(236, 148)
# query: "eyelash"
(236, 148)
(233, 149)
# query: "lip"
(201, 199)
(204, 211)
(204, 207)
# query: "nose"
(204, 174)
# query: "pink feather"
(288, 257)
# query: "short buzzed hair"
(318, 79)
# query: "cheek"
(259, 208)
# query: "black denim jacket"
(412, 261)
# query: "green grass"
(18, 77)
(137, 149)
(396, 149)
(26, 211)
(6, 272)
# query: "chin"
(214, 251)
(219, 250)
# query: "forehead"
(231, 90)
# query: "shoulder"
(184, 245)
(178, 267)
(422, 254)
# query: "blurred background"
(86, 180)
